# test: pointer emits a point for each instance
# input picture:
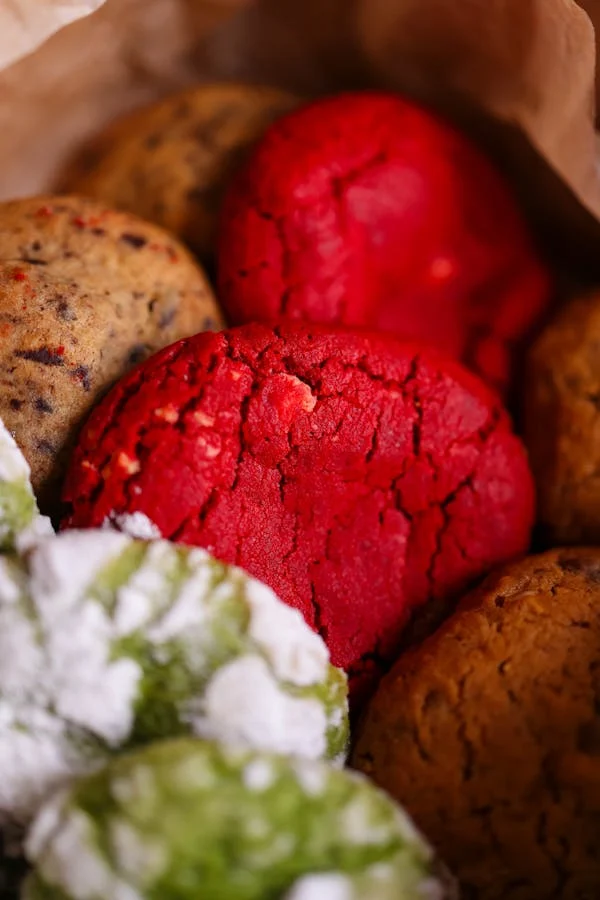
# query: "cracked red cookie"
(489, 732)
(367, 210)
(360, 477)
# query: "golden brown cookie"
(172, 162)
(562, 423)
(85, 294)
(489, 732)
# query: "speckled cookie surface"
(85, 294)
(360, 477)
(366, 209)
(489, 733)
(562, 423)
(172, 162)
(190, 820)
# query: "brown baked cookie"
(172, 162)
(85, 294)
(489, 732)
(562, 423)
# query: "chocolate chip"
(589, 567)
(46, 447)
(82, 374)
(134, 240)
(16, 405)
(44, 356)
(99, 232)
(207, 134)
(210, 324)
(43, 406)
(64, 311)
(167, 317)
(137, 353)
(571, 565)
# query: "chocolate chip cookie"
(171, 163)
(85, 294)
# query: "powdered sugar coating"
(136, 525)
(13, 465)
(106, 640)
(37, 756)
(40, 527)
(74, 859)
(244, 703)
(328, 886)
(63, 568)
(275, 628)
(377, 883)
(20, 521)
(198, 818)
(259, 775)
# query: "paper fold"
(519, 73)
(25, 24)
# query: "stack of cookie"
(259, 520)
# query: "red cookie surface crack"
(361, 477)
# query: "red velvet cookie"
(366, 210)
(358, 476)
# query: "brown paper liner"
(519, 75)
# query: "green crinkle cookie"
(107, 642)
(193, 820)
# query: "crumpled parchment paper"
(25, 24)
(519, 74)
(530, 64)
(124, 55)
